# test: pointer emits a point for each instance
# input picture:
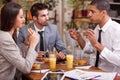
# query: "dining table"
(62, 67)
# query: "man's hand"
(93, 40)
(60, 55)
(74, 34)
(40, 55)
(91, 36)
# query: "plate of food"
(82, 62)
(36, 66)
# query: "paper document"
(83, 67)
(85, 75)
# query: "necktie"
(41, 41)
(97, 55)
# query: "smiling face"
(19, 19)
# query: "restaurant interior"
(67, 14)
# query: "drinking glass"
(69, 58)
(77, 55)
(52, 61)
(92, 59)
(84, 59)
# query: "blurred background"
(67, 14)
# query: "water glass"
(77, 55)
(92, 59)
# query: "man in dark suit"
(51, 37)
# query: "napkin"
(40, 71)
(83, 67)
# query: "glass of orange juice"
(52, 60)
(69, 58)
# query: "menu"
(78, 74)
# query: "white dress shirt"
(110, 55)
(38, 30)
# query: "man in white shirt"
(109, 47)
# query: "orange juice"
(52, 55)
(52, 63)
(69, 61)
(52, 60)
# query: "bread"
(46, 59)
(82, 62)
(36, 66)
(30, 30)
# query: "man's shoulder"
(51, 26)
(115, 26)
(115, 22)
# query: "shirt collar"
(106, 26)
(37, 30)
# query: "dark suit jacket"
(51, 38)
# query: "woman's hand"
(33, 38)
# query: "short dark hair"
(36, 7)
(101, 5)
(9, 13)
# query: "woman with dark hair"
(11, 58)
